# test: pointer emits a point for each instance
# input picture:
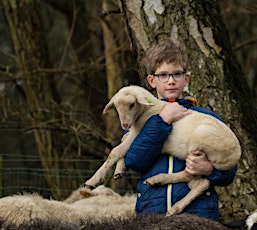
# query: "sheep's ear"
(86, 192)
(109, 106)
(144, 100)
(149, 100)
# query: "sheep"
(247, 223)
(251, 221)
(158, 222)
(29, 208)
(82, 193)
(105, 206)
(196, 131)
(40, 224)
(18, 209)
(182, 221)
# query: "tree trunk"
(113, 66)
(39, 91)
(114, 39)
(217, 80)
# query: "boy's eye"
(163, 75)
(178, 74)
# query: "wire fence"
(19, 175)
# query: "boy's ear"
(187, 77)
(151, 81)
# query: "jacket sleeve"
(222, 177)
(147, 146)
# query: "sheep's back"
(19, 209)
(199, 131)
(99, 208)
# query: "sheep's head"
(129, 105)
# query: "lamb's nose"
(125, 126)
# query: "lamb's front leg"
(120, 169)
(120, 166)
(165, 178)
(102, 173)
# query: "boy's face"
(171, 88)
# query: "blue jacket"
(144, 156)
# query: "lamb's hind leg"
(164, 178)
(198, 186)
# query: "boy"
(166, 65)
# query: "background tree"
(54, 66)
(217, 80)
(243, 37)
(38, 88)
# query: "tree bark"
(217, 80)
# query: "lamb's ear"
(109, 106)
(144, 100)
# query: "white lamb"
(196, 131)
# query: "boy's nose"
(171, 80)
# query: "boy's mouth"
(172, 90)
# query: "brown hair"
(165, 51)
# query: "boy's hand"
(197, 164)
(173, 112)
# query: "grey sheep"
(156, 222)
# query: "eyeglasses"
(165, 77)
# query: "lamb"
(196, 131)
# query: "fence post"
(1, 176)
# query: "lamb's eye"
(132, 105)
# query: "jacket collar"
(186, 101)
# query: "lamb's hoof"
(173, 211)
(151, 182)
(88, 186)
(147, 183)
(118, 176)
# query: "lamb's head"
(130, 103)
